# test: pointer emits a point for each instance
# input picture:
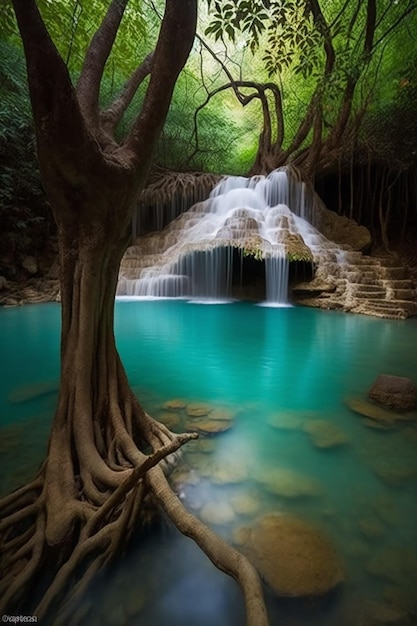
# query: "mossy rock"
(175, 404)
(171, 420)
(292, 556)
(199, 409)
(324, 434)
(245, 503)
(209, 427)
(217, 513)
(288, 483)
(384, 416)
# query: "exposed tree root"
(99, 520)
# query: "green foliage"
(23, 210)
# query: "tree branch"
(174, 44)
(110, 118)
(370, 27)
(57, 116)
(324, 30)
(88, 86)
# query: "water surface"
(255, 363)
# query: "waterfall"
(276, 275)
(265, 218)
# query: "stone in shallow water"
(395, 475)
(294, 558)
(228, 472)
(285, 421)
(209, 427)
(198, 409)
(222, 415)
(245, 503)
(171, 420)
(396, 392)
(217, 513)
(375, 412)
(287, 483)
(176, 404)
(324, 434)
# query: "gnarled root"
(95, 518)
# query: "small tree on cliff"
(72, 519)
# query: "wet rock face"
(396, 392)
(294, 558)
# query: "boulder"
(209, 427)
(396, 392)
(292, 556)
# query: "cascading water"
(266, 218)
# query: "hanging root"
(98, 518)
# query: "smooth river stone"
(324, 434)
(292, 556)
(176, 404)
(222, 415)
(199, 409)
(245, 503)
(217, 513)
(209, 427)
(373, 411)
(227, 473)
(287, 483)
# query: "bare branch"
(88, 86)
(110, 118)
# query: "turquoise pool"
(264, 366)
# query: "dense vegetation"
(328, 85)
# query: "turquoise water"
(255, 363)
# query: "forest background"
(331, 88)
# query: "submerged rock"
(228, 472)
(176, 404)
(287, 483)
(396, 392)
(245, 503)
(373, 411)
(217, 513)
(222, 415)
(209, 427)
(171, 420)
(292, 556)
(198, 409)
(324, 434)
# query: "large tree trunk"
(105, 453)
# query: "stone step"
(368, 289)
(395, 273)
(402, 294)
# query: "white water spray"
(194, 256)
